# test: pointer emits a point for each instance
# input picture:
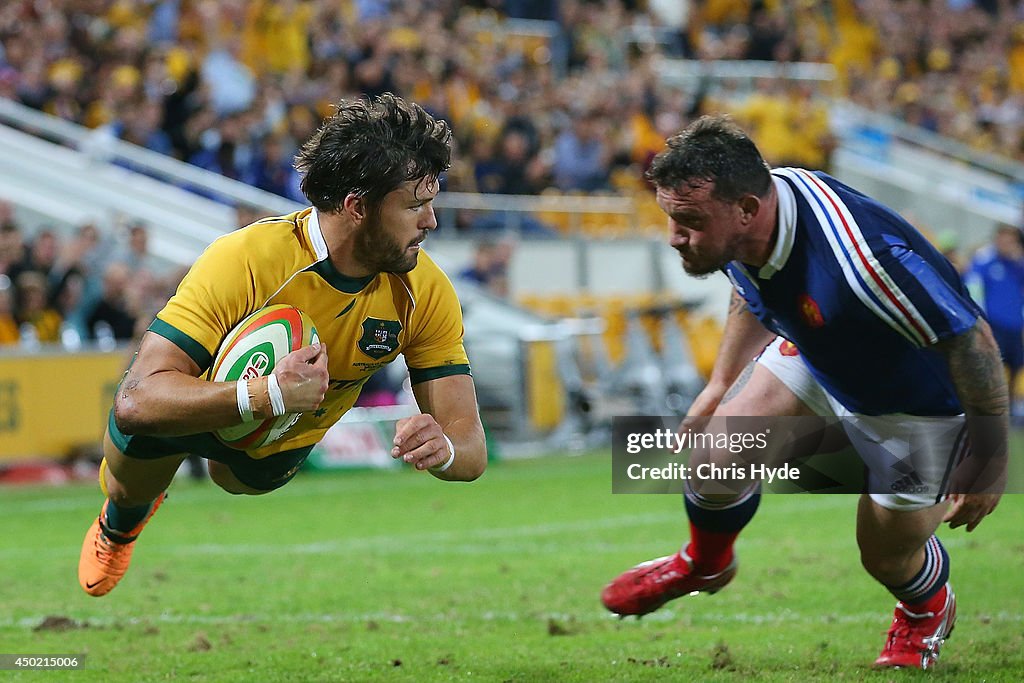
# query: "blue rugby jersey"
(998, 284)
(862, 295)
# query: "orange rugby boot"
(103, 560)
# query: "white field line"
(307, 488)
(439, 542)
(503, 540)
(465, 616)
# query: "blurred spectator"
(512, 168)
(581, 155)
(274, 170)
(231, 83)
(41, 257)
(34, 315)
(12, 249)
(8, 323)
(140, 124)
(87, 251)
(135, 254)
(113, 311)
(229, 151)
(996, 281)
(489, 268)
(68, 300)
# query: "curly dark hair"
(712, 149)
(369, 148)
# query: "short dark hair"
(714, 149)
(369, 148)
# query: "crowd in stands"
(570, 103)
(235, 85)
(92, 287)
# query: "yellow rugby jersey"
(364, 322)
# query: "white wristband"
(276, 397)
(242, 396)
(451, 458)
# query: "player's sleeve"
(216, 293)
(927, 305)
(435, 347)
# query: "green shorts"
(265, 474)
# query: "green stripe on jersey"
(194, 349)
(418, 375)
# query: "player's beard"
(380, 252)
(702, 267)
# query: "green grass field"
(397, 577)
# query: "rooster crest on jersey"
(252, 349)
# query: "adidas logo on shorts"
(910, 483)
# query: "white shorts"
(908, 457)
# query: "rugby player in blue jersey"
(840, 309)
(996, 280)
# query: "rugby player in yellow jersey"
(353, 263)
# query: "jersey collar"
(323, 266)
(316, 236)
(787, 230)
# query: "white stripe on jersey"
(869, 264)
(844, 249)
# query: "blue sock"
(715, 525)
(929, 581)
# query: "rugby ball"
(252, 349)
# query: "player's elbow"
(128, 417)
(475, 468)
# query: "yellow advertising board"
(53, 402)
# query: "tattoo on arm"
(737, 305)
(977, 371)
(740, 382)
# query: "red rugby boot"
(104, 561)
(914, 639)
(651, 584)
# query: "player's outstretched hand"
(970, 509)
(303, 377)
(420, 442)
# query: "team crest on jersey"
(810, 312)
(380, 337)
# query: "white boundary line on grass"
(689, 618)
(463, 540)
(453, 542)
